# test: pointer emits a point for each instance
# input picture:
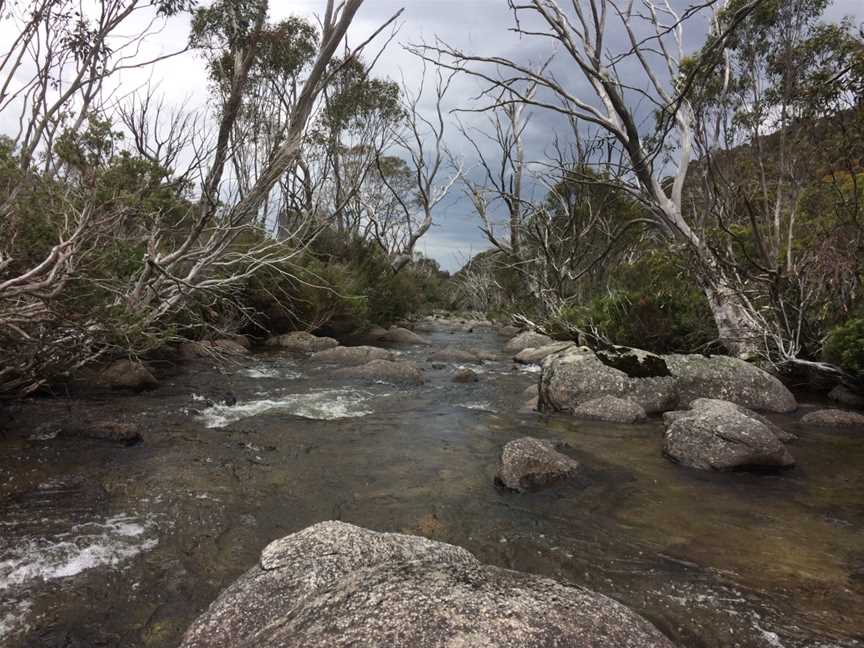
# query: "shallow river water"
(106, 545)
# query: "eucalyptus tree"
(651, 165)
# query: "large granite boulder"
(302, 342)
(729, 379)
(529, 464)
(578, 375)
(353, 356)
(396, 373)
(527, 340)
(610, 409)
(336, 585)
(128, 374)
(454, 354)
(536, 355)
(834, 418)
(719, 435)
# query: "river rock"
(397, 373)
(578, 375)
(508, 331)
(128, 374)
(530, 391)
(399, 335)
(729, 379)
(352, 356)
(527, 340)
(610, 409)
(466, 376)
(834, 418)
(302, 342)
(721, 406)
(536, 355)
(453, 354)
(846, 396)
(719, 435)
(529, 406)
(336, 585)
(529, 464)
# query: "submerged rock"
(453, 354)
(719, 435)
(527, 340)
(610, 409)
(529, 464)
(536, 355)
(112, 431)
(351, 356)
(302, 342)
(128, 374)
(405, 373)
(578, 375)
(338, 585)
(466, 376)
(846, 396)
(834, 418)
(729, 379)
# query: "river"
(107, 545)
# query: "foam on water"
(83, 547)
(321, 405)
(532, 368)
(478, 406)
(269, 372)
(13, 619)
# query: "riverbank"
(111, 544)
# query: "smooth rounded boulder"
(527, 340)
(302, 342)
(396, 373)
(729, 379)
(578, 375)
(336, 585)
(529, 464)
(719, 435)
(536, 355)
(130, 375)
(353, 356)
(399, 335)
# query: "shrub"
(845, 346)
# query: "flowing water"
(107, 545)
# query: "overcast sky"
(474, 26)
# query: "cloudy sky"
(474, 26)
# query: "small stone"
(465, 376)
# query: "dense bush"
(845, 346)
(342, 286)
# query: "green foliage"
(655, 305)
(845, 346)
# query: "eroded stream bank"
(108, 545)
